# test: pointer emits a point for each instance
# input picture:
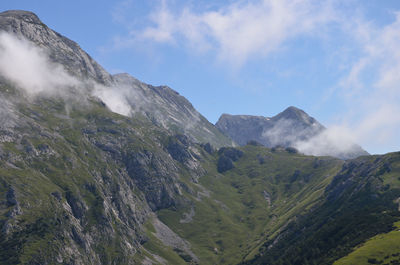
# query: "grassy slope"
(360, 203)
(234, 217)
(381, 249)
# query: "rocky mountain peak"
(27, 25)
(23, 15)
(295, 114)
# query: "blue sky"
(338, 60)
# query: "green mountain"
(86, 181)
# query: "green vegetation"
(357, 206)
(235, 211)
(381, 249)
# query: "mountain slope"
(290, 128)
(160, 104)
(359, 203)
(381, 249)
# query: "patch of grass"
(381, 249)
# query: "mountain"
(160, 104)
(290, 128)
(81, 183)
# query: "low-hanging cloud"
(115, 99)
(335, 141)
(313, 139)
(28, 67)
(287, 132)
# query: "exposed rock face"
(286, 129)
(166, 108)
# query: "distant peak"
(292, 113)
(22, 15)
(293, 109)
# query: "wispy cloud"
(238, 31)
(371, 87)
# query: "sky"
(337, 60)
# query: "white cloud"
(114, 98)
(336, 141)
(286, 132)
(29, 68)
(239, 31)
(372, 86)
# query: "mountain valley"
(105, 169)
